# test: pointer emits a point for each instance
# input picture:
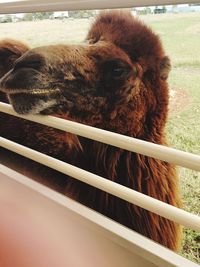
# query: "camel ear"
(165, 67)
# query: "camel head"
(115, 75)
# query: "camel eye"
(116, 69)
(117, 72)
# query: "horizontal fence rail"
(171, 155)
(61, 5)
(165, 210)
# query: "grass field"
(181, 39)
(180, 34)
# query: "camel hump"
(130, 34)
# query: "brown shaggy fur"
(10, 50)
(116, 81)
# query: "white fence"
(131, 144)
(188, 160)
(60, 5)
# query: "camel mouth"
(29, 96)
(38, 92)
(33, 101)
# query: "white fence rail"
(60, 5)
(168, 154)
(165, 210)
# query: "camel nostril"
(29, 60)
(24, 74)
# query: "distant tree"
(159, 10)
(81, 14)
(155, 11)
(164, 9)
(7, 18)
(147, 10)
(42, 15)
(37, 16)
(28, 17)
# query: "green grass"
(184, 133)
(180, 34)
(181, 39)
